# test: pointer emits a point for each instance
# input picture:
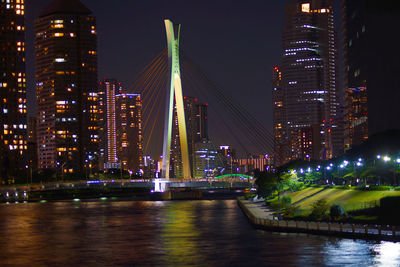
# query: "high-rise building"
(309, 79)
(120, 128)
(207, 162)
(129, 132)
(196, 129)
(371, 67)
(108, 89)
(227, 155)
(66, 86)
(278, 117)
(201, 122)
(251, 163)
(13, 121)
(32, 144)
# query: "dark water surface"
(174, 233)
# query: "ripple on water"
(171, 233)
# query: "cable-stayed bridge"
(164, 83)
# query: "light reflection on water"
(175, 233)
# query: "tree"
(319, 209)
(266, 182)
(336, 211)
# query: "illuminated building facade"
(248, 165)
(66, 86)
(355, 73)
(309, 80)
(150, 167)
(371, 67)
(207, 162)
(108, 89)
(13, 120)
(129, 132)
(227, 155)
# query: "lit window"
(305, 7)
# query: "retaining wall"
(376, 232)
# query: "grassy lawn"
(348, 198)
(296, 196)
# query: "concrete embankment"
(261, 217)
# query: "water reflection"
(181, 233)
(387, 254)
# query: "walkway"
(261, 217)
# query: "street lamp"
(386, 158)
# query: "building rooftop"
(65, 7)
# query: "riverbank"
(126, 193)
(261, 217)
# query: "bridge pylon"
(173, 32)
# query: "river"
(171, 233)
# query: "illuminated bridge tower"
(175, 90)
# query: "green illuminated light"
(234, 175)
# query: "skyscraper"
(13, 121)
(66, 86)
(201, 122)
(107, 123)
(278, 117)
(32, 144)
(129, 131)
(120, 128)
(371, 67)
(196, 129)
(309, 80)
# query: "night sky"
(236, 43)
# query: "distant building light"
(305, 8)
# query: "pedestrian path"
(262, 217)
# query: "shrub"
(286, 201)
(376, 188)
(296, 186)
(319, 209)
(290, 211)
(336, 211)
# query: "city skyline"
(51, 82)
(260, 35)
